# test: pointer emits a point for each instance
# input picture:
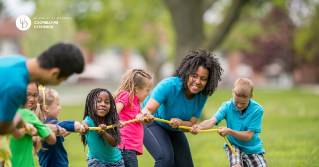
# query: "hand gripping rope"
(166, 121)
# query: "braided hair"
(132, 79)
(111, 118)
(189, 65)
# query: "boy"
(52, 66)
(244, 119)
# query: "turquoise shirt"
(14, 79)
(99, 148)
(173, 102)
(251, 120)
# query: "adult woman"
(181, 100)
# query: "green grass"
(289, 132)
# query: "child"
(53, 66)
(100, 110)
(48, 110)
(21, 141)
(32, 95)
(135, 88)
(244, 119)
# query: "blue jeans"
(130, 159)
(168, 148)
(92, 162)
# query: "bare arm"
(151, 106)
(85, 129)
(8, 127)
(51, 139)
(241, 135)
(108, 138)
(207, 124)
(119, 107)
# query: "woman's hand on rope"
(103, 126)
(150, 117)
(194, 129)
(140, 117)
(223, 131)
(175, 122)
(121, 124)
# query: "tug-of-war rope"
(166, 121)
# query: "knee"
(236, 165)
(165, 161)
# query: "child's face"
(32, 96)
(198, 81)
(103, 104)
(143, 93)
(240, 102)
(54, 109)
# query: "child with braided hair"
(135, 88)
(100, 111)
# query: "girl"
(21, 141)
(135, 88)
(32, 95)
(181, 100)
(47, 111)
(100, 110)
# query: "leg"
(92, 162)
(182, 153)
(255, 160)
(234, 161)
(129, 157)
(158, 144)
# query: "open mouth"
(196, 88)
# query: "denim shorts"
(92, 162)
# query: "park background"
(272, 42)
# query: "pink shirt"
(132, 133)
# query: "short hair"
(67, 57)
(243, 87)
(189, 65)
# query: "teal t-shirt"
(251, 120)
(21, 149)
(99, 148)
(173, 102)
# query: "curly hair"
(111, 118)
(189, 65)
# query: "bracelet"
(58, 127)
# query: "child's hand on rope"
(175, 122)
(33, 131)
(223, 131)
(121, 124)
(194, 130)
(84, 129)
(150, 117)
(103, 126)
(140, 117)
(60, 131)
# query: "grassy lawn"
(289, 132)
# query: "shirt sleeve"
(221, 113)
(10, 101)
(43, 130)
(123, 98)
(67, 125)
(89, 121)
(198, 114)
(256, 121)
(160, 92)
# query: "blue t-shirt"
(55, 155)
(14, 79)
(173, 102)
(251, 120)
(99, 148)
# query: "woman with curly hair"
(181, 100)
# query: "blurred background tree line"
(266, 33)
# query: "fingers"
(121, 124)
(194, 130)
(174, 123)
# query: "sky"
(15, 8)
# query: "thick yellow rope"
(166, 121)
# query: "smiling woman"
(181, 100)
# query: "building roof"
(8, 29)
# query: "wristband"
(58, 127)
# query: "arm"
(207, 124)
(241, 135)
(7, 127)
(119, 107)
(85, 129)
(108, 138)
(151, 106)
(51, 139)
(54, 128)
(175, 122)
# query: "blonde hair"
(243, 87)
(132, 79)
(50, 97)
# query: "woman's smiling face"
(197, 82)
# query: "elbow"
(248, 138)
(51, 139)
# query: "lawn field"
(290, 131)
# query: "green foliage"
(36, 40)
(289, 130)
